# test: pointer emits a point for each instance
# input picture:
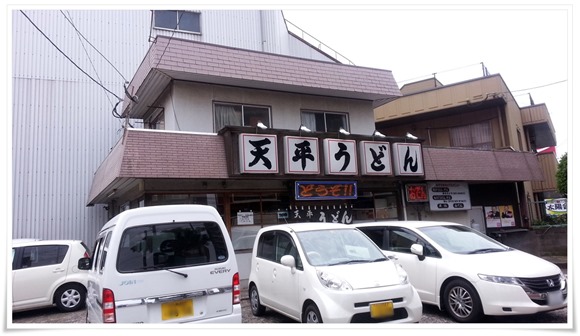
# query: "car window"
(377, 235)
(273, 245)
(171, 245)
(461, 239)
(43, 255)
(400, 240)
(267, 246)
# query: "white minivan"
(163, 264)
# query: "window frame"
(324, 114)
(178, 18)
(242, 107)
(472, 141)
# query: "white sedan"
(468, 274)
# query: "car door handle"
(58, 270)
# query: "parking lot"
(430, 315)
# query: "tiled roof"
(453, 164)
(153, 154)
(172, 58)
(150, 154)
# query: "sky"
(528, 45)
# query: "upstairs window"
(324, 121)
(240, 115)
(474, 136)
(177, 20)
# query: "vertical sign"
(408, 159)
(375, 158)
(341, 158)
(301, 155)
(258, 153)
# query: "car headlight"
(563, 283)
(403, 277)
(331, 281)
(501, 279)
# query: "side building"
(482, 149)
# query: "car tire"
(70, 297)
(257, 308)
(312, 314)
(462, 302)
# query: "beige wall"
(190, 107)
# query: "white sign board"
(448, 196)
(341, 157)
(245, 218)
(301, 155)
(375, 158)
(408, 159)
(258, 153)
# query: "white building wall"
(62, 124)
(190, 108)
(62, 121)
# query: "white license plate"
(555, 298)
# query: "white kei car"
(45, 274)
(468, 274)
(331, 273)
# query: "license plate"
(555, 298)
(382, 309)
(176, 309)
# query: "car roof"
(410, 224)
(26, 241)
(307, 226)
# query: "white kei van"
(163, 264)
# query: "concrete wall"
(549, 241)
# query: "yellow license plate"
(176, 309)
(382, 309)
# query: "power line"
(65, 55)
(541, 86)
(97, 50)
(86, 52)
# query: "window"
(324, 121)
(36, 256)
(474, 136)
(275, 244)
(171, 245)
(177, 20)
(240, 115)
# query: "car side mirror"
(288, 260)
(84, 264)
(418, 250)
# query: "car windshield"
(462, 239)
(338, 246)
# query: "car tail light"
(237, 295)
(108, 306)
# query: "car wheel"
(312, 314)
(257, 308)
(70, 297)
(462, 302)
